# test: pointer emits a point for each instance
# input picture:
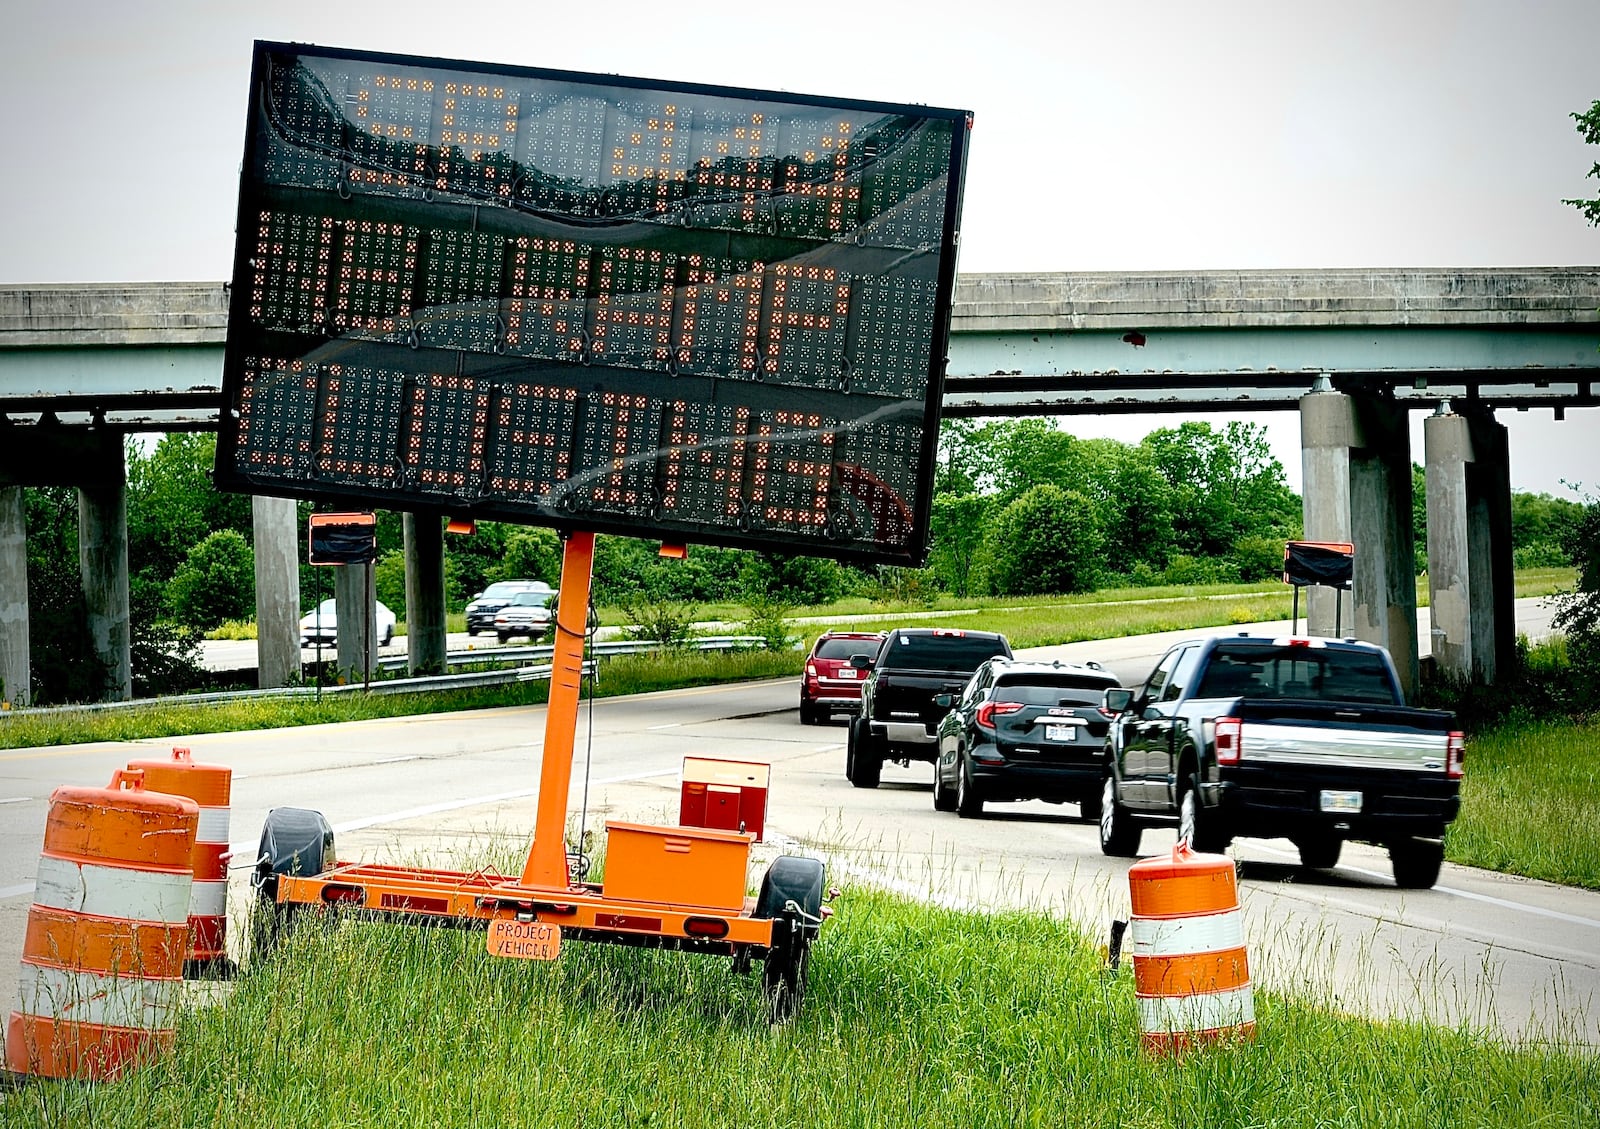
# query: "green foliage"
(1589, 127)
(792, 579)
(1579, 611)
(1257, 558)
(768, 618)
(63, 667)
(1189, 571)
(904, 587)
(1047, 541)
(1541, 520)
(959, 527)
(164, 656)
(659, 620)
(216, 582)
(531, 554)
(172, 505)
(389, 578)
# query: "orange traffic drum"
(1191, 972)
(102, 959)
(210, 786)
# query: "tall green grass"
(1530, 802)
(916, 1017)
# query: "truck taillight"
(987, 711)
(1228, 731)
(1455, 756)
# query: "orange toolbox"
(725, 794)
(687, 866)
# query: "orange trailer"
(664, 887)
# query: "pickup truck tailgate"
(1343, 736)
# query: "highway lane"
(1482, 949)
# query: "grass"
(1524, 780)
(916, 1016)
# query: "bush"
(768, 619)
(1184, 569)
(216, 582)
(911, 587)
(1579, 611)
(1047, 541)
(389, 578)
(1257, 558)
(799, 581)
(531, 554)
(667, 622)
(1540, 554)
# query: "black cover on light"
(1306, 562)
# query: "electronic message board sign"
(676, 310)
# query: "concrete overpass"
(1353, 350)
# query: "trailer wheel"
(791, 896)
(296, 842)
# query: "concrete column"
(1327, 436)
(355, 596)
(277, 551)
(425, 626)
(103, 568)
(16, 687)
(1356, 461)
(1469, 545)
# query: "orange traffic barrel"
(1191, 973)
(210, 786)
(102, 958)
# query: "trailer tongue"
(665, 887)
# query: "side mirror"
(943, 701)
(1117, 700)
(479, 596)
(860, 662)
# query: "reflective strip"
(1206, 1011)
(209, 899)
(37, 1045)
(87, 997)
(1176, 936)
(1198, 972)
(1196, 889)
(214, 825)
(110, 891)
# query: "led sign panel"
(657, 309)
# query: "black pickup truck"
(899, 718)
(1309, 739)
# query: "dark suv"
(829, 682)
(1024, 731)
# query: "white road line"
(16, 800)
(668, 725)
(397, 760)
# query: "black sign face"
(683, 311)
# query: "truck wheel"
(943, 798)
(1198, 823)
(1319, 853)
(1089, 808)
(864, 762)
(1416, 862)
(1119, 834)
(969, 805)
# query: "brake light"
(987, 711)
(1228, 733)
(1455, 756)
(811, 670)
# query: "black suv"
(1024, 731)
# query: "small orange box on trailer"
(684, 866)
(728, 795)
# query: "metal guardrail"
(527, 672)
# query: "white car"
(530, 613)
(321, 624)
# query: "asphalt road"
(1480, 949)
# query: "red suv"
(830, 682)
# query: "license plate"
(1340, 801)
(524, 940)
(1061, 733)
(847, 672)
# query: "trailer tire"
(791, 881)
(296, 842)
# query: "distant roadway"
(1481, 949)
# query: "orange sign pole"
(547, 859)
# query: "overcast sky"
(1114, 136)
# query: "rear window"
(1064, 691)
(1298, 672)
(944, 652)
(844, 648)
(531, 599)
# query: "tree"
(1047, 541)
(1136, 514)
(1579, 611)
(530, 554)
(958, 527)
(172, 504)
(215, 583)
(1589, 127)
(63, 667)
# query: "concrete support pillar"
(16, 687)
(277, 551)
(355, 596)
(103, 568)
(425, 626)
(1356, 462)
(1470, 578)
